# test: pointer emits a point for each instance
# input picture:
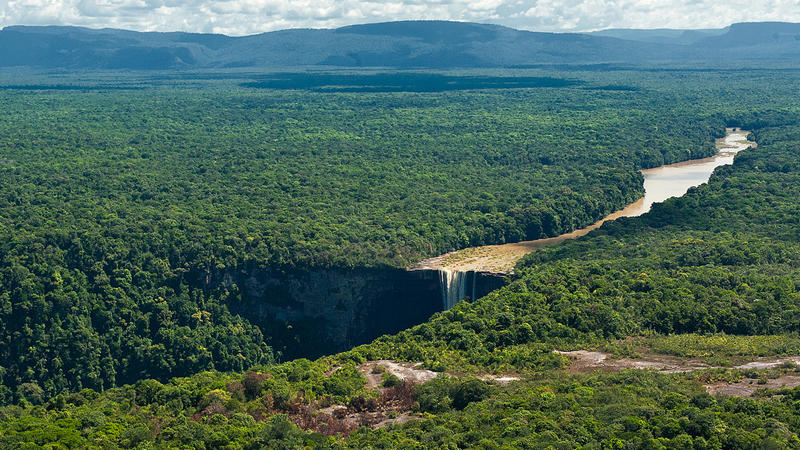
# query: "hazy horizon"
(248, 17)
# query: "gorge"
(660, 183)
(319, 311)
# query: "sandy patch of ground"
(747, 386)
(402, 418)
(584, 361)
(502, 381)
(409, 372)
(413, 374)
(768, 363)
(587, 362)
(331, 409)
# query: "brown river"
(661, 183)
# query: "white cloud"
(243, 17)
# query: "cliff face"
(316, 312)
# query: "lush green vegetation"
(117, 205)
(632, 409)
(724, 259)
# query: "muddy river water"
(660, 184)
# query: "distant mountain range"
(404, 45)
(661, 35)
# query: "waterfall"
(474, 284)
(454, 286)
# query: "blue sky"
(245, 17)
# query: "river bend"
(660, 183)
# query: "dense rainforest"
(117, 201)
(118, 204)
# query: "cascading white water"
(454, 286)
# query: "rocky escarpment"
(315, 312)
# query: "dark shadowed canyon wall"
(316, 312)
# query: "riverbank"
(660, 184)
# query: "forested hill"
(416, 44)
